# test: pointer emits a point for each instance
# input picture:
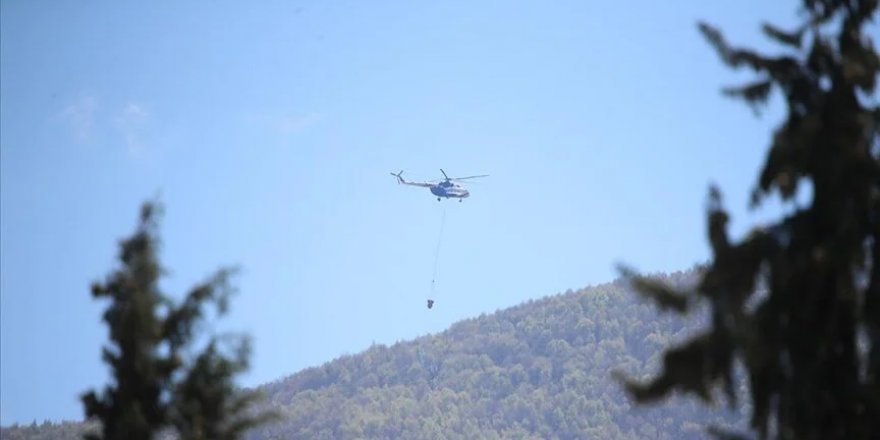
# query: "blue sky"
(268, 130)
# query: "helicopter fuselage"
(449, 190)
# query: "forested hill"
(540, 370)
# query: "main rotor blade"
(469, 177)
(444, 174)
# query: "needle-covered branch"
(810, 339)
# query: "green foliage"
(155, 387)
(536, 371)
(809, 338)
(539, 370)
(49, 431)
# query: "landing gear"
(438, 199)
(459, 200)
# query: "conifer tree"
(155, 387)
(797, 301)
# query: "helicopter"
(448, 187)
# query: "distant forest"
(540, 370)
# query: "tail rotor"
(398, 175)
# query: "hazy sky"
(268, 130)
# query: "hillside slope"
(540, 370)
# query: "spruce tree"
(797, 302)
(156, 387)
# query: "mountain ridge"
(538, 369)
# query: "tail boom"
(401, 180)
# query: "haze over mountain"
(539, 370)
